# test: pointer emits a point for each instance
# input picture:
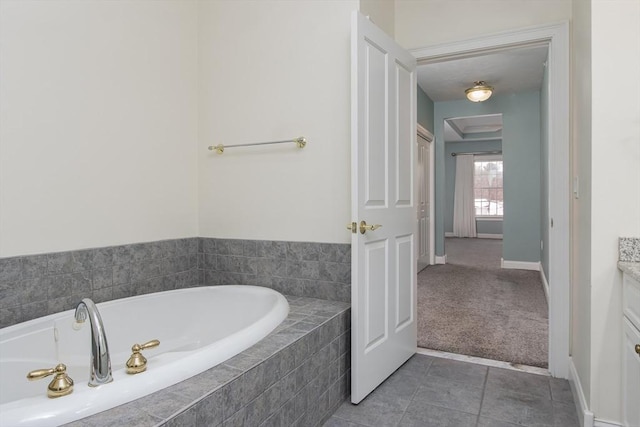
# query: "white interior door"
(382, 183)
(423, 197)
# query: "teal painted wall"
(490, 227)
(424, 110)
(544, 173)
(521, 151)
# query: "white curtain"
(464, 212)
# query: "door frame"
(556, 36)
(428, 136)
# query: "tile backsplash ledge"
(33, 286)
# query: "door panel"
(404, 294)
(376, 293)
(404, 181)
(375, 139)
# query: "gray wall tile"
(10, 270)
(81, 283)
(236, 420)
(209, 246)
(235, 396)
(300, 269)
(102, 295)
(10, 316)
(317, 270)
(49, 282)
(32, 266)
(209, 411)
(9, 296)
(102, 257)
(58, 286)
(303, 251)
(184, 419)
(121, 274)
(250, 248)
(82, 260)
(102, 278)
(61, 262)
(230, 247)
(123, 254)
(33, 310)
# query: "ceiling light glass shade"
(480, 92)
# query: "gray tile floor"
(428, 391)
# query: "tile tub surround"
(629, 249)
(315, 270)
(297, 376)
(33, 286)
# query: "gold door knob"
(61, 385)
(638, 349)
(353, 226)
(364, 227)
(137, 362)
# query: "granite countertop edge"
(630, 268)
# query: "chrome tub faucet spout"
(100, 358)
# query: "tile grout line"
(484, 389)
(412, 397)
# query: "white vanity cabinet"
(631, 352)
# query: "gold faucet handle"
(61, 385)
(145, 346)
(137, 362)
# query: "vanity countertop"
(630, 268)
(629, 256)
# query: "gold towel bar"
(299, 141)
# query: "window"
(487, 186)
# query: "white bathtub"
(198, 328)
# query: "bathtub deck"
(296, 376)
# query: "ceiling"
(473, 128)
(509, 71)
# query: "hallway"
(473, 307)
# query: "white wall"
(381, 13)
(98, 119)
(272, 71)
(421, 23)
(615, 173)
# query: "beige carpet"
(471, 306)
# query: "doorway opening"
(556, 162)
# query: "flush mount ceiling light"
(481, 91)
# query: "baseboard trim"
(545, 284)
(489, 236)
(602, 423)
(519, 265)
(479, 235)
(441, 259)
(584, 414)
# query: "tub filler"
(198, 328)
